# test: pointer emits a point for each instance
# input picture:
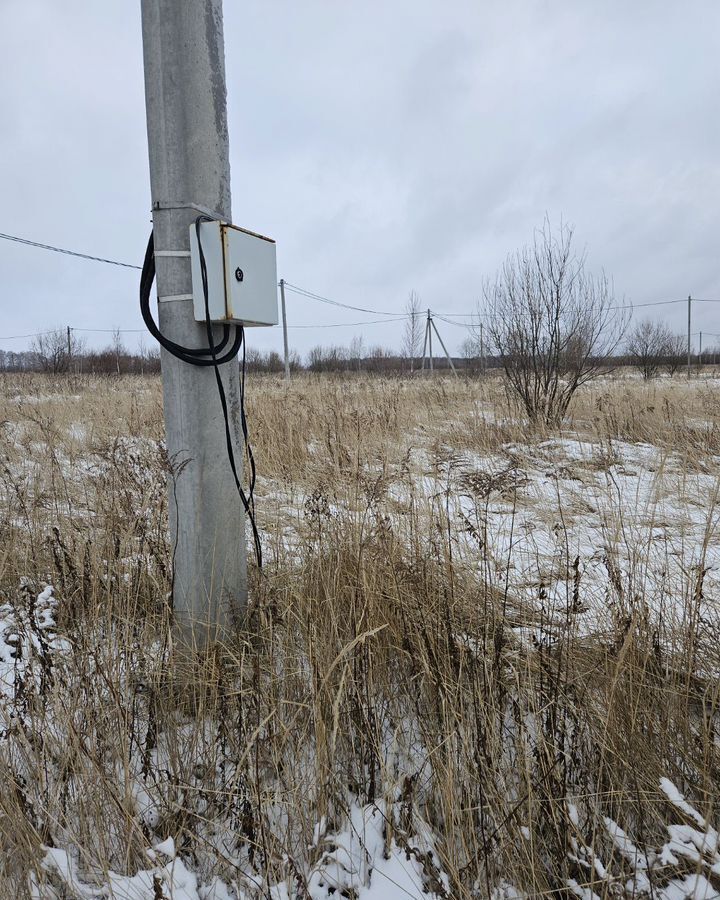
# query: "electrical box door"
(241, 275)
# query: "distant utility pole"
(700, 353)
(442, 344)
(69, 349)
(285, 336)
(430, 326)
(688, 342)
(482, 351)
(190, 176)
(424, 356)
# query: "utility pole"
(700, 353)
(429, 331)
(185, 100)
(422, 367)
(688, 347)
(482, 351)
(442, 344)
(285, 336)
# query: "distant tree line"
(60, 351)
(545, 342)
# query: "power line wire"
(396, 315)
(354, 324)
(111, 330)
(303, 291)
(17, 337)
(485, 315)
(110, 262)
(651, 303)
(456, 324)
(312, 296)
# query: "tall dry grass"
(376, 665)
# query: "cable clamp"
(186, 204)
(172, 253)
(170, 297)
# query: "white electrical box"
(241, 275)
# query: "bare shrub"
(650, 345)
(55, 350)
(553, 324)
(674, 353)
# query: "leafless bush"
(652, 345)
(269, 361)
(675, 352)
(553, 324)
(55, 350)
(328, 359)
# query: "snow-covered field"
(481, 661)
(595, 530)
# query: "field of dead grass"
(480, 661)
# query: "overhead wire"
(353, 324)
(110, 330)
(392, 316)
(312, 296)
(17, 337)
(450, 321)
(29, 243)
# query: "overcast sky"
(386, 146)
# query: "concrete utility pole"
(689, 315)
(429, 330)
(285, 337)
(424, 356)
(482, 351)
(442, 344)
(190, 175)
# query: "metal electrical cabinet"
(241, 274)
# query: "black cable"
(249, 501)
(198, 357)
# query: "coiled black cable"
(199, 357)
(195, 357)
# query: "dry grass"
(387, 658)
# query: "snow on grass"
(358, 861)
(574, 527)
(563, 521)
(28, 640)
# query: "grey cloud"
(386, 146)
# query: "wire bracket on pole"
(170, 297)
(159, 205)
